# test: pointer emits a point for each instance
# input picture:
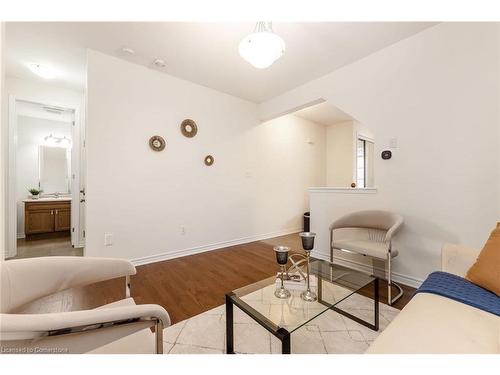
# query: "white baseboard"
(204, 248)
(397, 277)
(20, 235)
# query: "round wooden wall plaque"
(209, 160)
(156, 143)
(189, 128)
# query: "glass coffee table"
(281, 317)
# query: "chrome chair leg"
(399, 295)
(390, 283)
(389, 278)
(158, 324)
(331, 246)
(159, 337)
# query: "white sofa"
(436, 324)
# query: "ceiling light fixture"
(127, 51)
(43, 71)
(263, 47)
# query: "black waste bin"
(307, 221)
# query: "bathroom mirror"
(54, 169)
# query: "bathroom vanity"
(46, 215)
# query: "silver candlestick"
(308, 245)
(282, 259)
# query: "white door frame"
(76, 185)
(11, 215)
(76, 154)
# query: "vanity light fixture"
(60, 141)
(43, 71)
(263, 47)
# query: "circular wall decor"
(209, 160)
(156, 143)
(189, 128)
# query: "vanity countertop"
(48, 199)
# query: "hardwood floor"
(190, 285)
(46, 246)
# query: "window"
(364, 163)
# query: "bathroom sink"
(48, 199)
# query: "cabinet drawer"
(43, 206)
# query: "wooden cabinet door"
(62, 220)
(40, 221)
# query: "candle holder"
(282, 259)
(308, 245)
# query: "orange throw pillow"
(485, 272)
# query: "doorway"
(44, 185)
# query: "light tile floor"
(329, 333)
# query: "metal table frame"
(376, 300)
(281, 333)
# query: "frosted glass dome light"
(263, 47)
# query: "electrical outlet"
(108, 239)
(183, 230)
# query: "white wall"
(256, 188)
(437, 93)
(340, 153)
(341, 144)
(30, 135)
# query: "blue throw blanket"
(461, 290)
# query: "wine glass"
(282, 259)
(308, 244)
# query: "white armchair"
(374, 230)
(26, 280)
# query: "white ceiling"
(204, 53)
(324, 113)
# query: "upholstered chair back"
(39, 277)
(384, 223)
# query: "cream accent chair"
(370, 234)
(26, 280)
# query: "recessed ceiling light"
(43, 70)
(159, 63)
(127, 51)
